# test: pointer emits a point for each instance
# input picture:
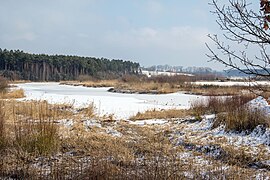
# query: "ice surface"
(121, 105)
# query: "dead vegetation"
(233, 112)
(92, 83)
(13, 94)
(162, 114)
(164, 85)
(36, 145)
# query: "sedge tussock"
(161, 114)
(14, 94)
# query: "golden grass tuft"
(161, 114)
(14, 94)
(233, 112)
(242, 119)
(39, 138)
(93, 83)
(29, 126)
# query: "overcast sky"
(146, 31)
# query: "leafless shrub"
(241, 119)
(199, 108)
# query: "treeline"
(41, 67)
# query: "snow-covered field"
(233, 83)
(197, 143)
(122, 106)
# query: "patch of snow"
(260, 135)
(203, 125)
(113, 132)
(209, 117)
(266, 162)
(260, 103)
(92, 123)
(261, 176)
(66, 122)
(184, 155)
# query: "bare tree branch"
(246, 29)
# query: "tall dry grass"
(233, 112)
(14, 94)
(242, 119)
(31, 126)
(39, 138)
(161, 114)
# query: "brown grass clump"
(215, 104)
(233, 112)
(30, 126)
(199, 108)
(213, 90)
(22, 139)
(93, 83)
(161, 114)
(40, 137)
(14, 94)
(242, 119)
(146, 88)
(36, 110)
(87, 112)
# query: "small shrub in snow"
(241, 119)
(244, 119)
(233, 112)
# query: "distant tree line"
(41, 67)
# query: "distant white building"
(158, 73)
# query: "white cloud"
(174, 38)
(179, 45)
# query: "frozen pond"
(121, 105)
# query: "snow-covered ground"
(233, 83)
(122, 106)
(197, 143)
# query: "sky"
(150, 32)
